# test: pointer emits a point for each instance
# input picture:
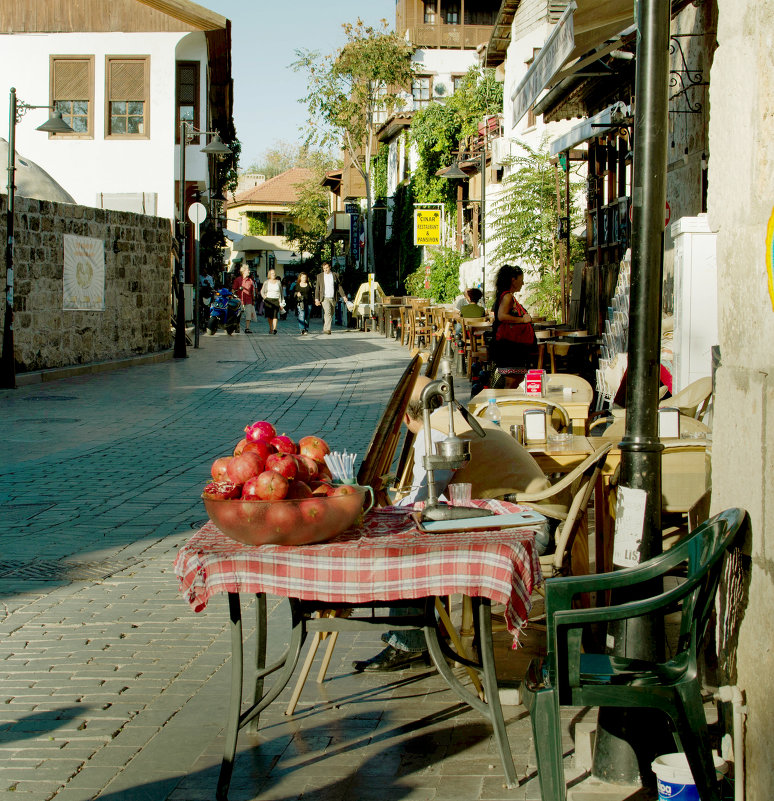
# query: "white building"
(123, 74)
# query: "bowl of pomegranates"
(286, 521)
(273, 490)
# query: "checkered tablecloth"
(386, 558)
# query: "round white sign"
(197, 212)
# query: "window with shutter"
(187, 94)
(72, 92)
(128, 89)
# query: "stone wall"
(137, 314)
(741, 206)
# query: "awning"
(253, 243)
(612, 117)
(583, 26)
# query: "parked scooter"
(225, 310)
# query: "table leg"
(491, 708)
(260, 649)
(284, 665)
(489, 676)
(235, 701)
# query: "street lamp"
(219, 150)
(454, 173)
(55, 124)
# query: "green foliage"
(400, 257)
(524, 222)
(257, 224)
(347, 88)
(283, 156)
(379, 171)
(478, 96)
(444, 276)
(309, 227)
(435, 130)
(227, 170)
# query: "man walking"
(326, 291)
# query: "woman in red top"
(514, 345)
(244, 288)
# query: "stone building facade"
(137, 293)
(741, 210)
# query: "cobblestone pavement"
(111, 687)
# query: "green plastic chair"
(568, 677)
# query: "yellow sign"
(427, 226)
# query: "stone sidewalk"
(111, 687)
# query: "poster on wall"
(83, 279)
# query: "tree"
(369, 74)
(310, 216)
(283, 156)
(524, 222)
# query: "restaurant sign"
(547, 63)
(427, 226)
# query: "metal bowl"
(288, 522)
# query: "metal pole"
(180, 349)
(483, 225)
(8, 362)
(625, 738)
(196, 285)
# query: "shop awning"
(584, 26)
(253, 243)
(612, 117)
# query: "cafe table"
(389, 313)
(385, 561)
(581, 395)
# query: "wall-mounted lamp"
(55, 124)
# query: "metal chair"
(571, 676)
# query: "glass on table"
(459, 494)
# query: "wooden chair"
(375, 465)
(475, 349)
(419, 329)
(572, 676)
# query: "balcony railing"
(466, 37)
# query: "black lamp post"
(219, 150)
(55, 124)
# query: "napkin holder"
(453, 452)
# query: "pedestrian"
(245, 289)
(326, 291)
(273, 299)
(303, 294)
(514, 345)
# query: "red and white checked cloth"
(386, 558)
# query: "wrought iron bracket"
(684, 78)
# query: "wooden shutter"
(127, 80)
(71, 79)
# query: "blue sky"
(264, 37)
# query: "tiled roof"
(276, 191)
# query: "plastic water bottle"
(493, 412)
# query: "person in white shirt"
(326, 292)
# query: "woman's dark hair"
(503, 282)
